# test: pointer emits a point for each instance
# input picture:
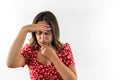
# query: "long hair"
(50, 18)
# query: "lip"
(43, 43)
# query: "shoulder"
(29, 47)
(65, 55)
(66, 45)
(26, 46)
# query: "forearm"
(16, 47)
(63, 70)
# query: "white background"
(92, 27)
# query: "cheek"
(37, 37)
(50, 38)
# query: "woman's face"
(44, 36)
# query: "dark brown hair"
(50, 18)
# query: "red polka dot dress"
(39, 71)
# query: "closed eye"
(38, 32)
(47, 32)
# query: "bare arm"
(15, 59)
(67, 73)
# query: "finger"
(49, 44)
(47, 26)
(43, 24)
(42, 49)
(42, 52)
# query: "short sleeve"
(67, 56)
(26, 53)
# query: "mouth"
(43, 43)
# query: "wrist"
(54, 59)
(24, 29)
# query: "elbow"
(10, 65)
(75, 78)
(72, 78)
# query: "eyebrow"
(48, 30)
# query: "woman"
(46, 57)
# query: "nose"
(42, 38)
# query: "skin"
(46, 55)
